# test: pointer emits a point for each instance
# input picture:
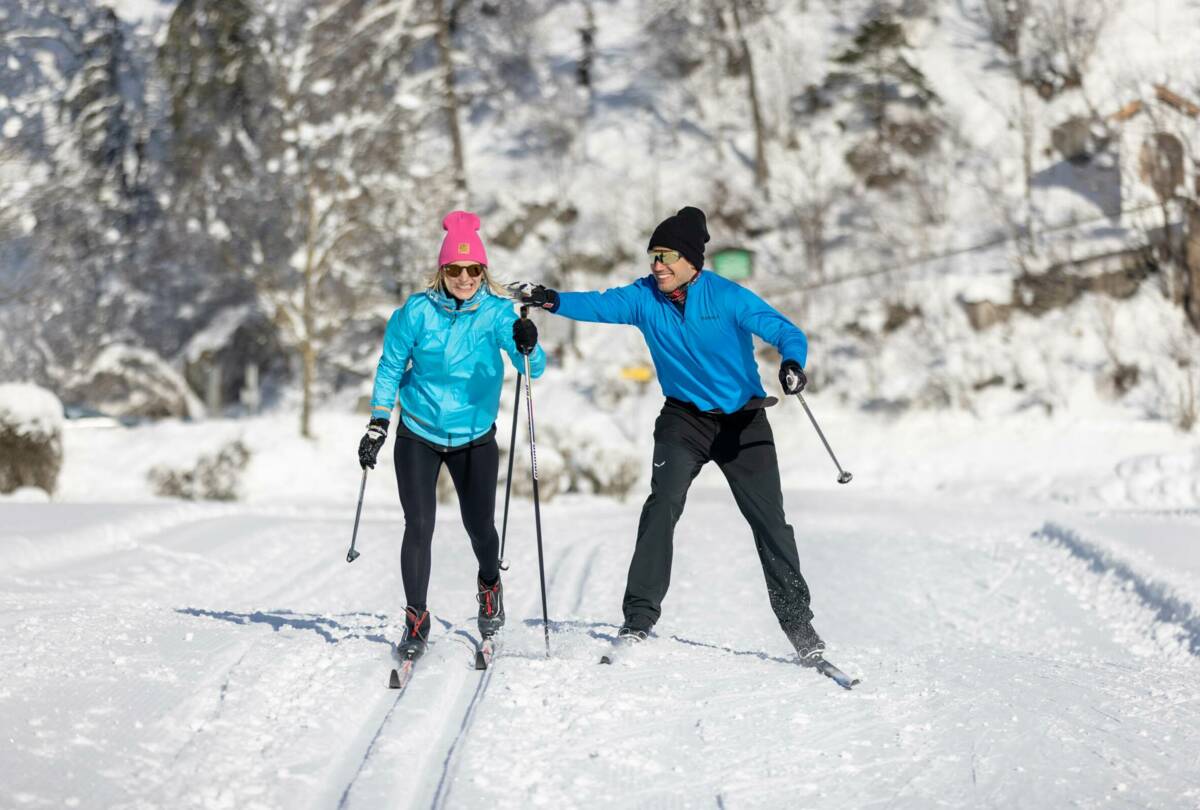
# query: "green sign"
(735, 264)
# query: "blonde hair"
(438, 279)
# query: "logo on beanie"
(464, 248)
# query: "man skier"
(698, 328)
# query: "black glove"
(791, 377)
(524, 335)
(535, 295)
(372, 440)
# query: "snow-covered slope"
(1020, 604)
(229, 657)
(1014, 572)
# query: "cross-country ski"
(830, 671)
(402, 674)
(485, 653)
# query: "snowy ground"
(1018, 598)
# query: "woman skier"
(442, 353)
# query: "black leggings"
(474, 472)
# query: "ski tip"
(842, 679)
(394, 680)
(832, 672)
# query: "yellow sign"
(639, 373)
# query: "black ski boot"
(491, 607)
(809, 646)
(416, 634)
(631, 635)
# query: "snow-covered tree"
(301, 158)
(892, 102)
(1060, 38)
(77, 154)
(349, 99)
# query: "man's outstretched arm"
(618, 305)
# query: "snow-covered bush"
(552, 472)
(1174, 391)
(214, 478)
(31, 421)
(597, 459)
(130, 381)
(603, 464)
(551, 478)
(586, 457)
(445, 486)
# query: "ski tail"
(402, 674)
(408, 653)
(485, 652)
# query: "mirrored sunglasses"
(664, 256)
(455, 270)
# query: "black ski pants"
(742, 445)
(474, 471)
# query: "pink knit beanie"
(462, 239)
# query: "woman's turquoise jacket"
(443, 357)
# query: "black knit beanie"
(685, 232)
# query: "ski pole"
(512, 455)
(537, 511)
(843, 476)
(352, 555)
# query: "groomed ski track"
(228, 657)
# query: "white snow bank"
(1157, 566)
(1157, 481)
(26, 495)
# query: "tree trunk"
(308, 353)
(761, 172)
(1027, 128)
(587, 60)
(450, 100)
(1176, 275)
(308, 359)
(1027, 133)
(1191, 263)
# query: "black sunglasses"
(455, 270)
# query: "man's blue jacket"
(705, 354)
(450, 393)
